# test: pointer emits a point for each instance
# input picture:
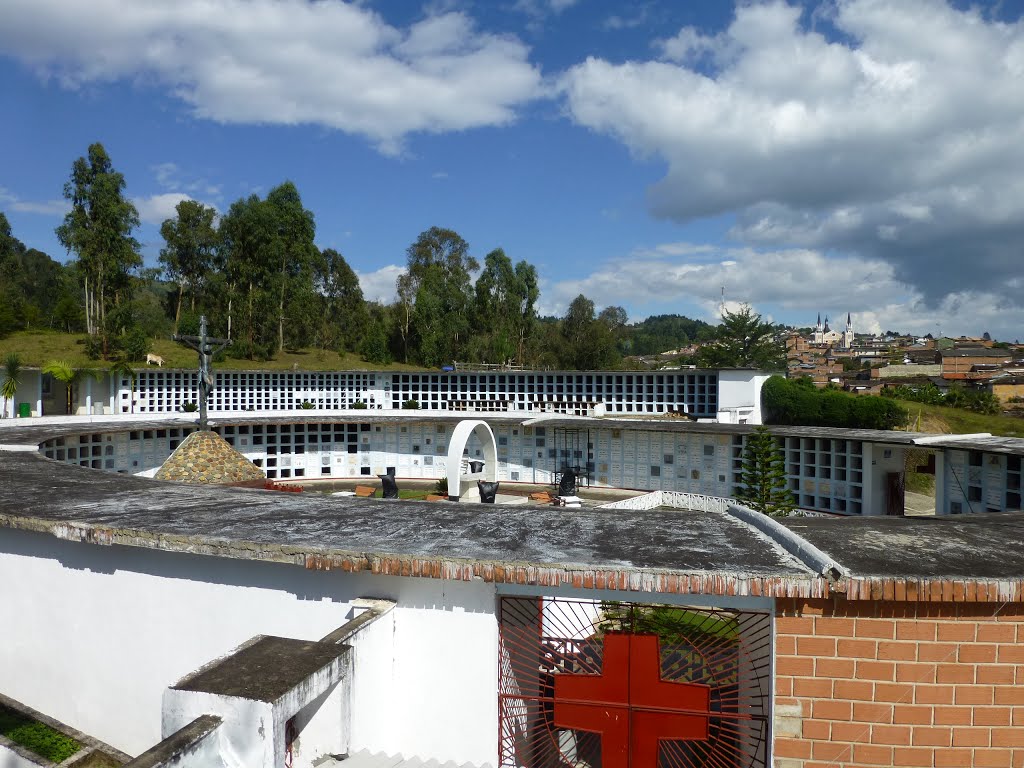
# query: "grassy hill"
(37, 348)
(956, 421)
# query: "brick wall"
(873, 683)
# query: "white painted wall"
(245, 737)
(11, 759)
(739, 394)
(431, 688)
(142, 620)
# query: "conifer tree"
(762, 480)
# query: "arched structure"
(459, 439)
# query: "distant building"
(972, 362)
(825, 336)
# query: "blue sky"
(848, 155)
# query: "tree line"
(257, 274)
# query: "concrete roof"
(678, 540)
(263, 669)
(980, 546)
(658, 550)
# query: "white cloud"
(155, 209)
(790, 279)
(287, 62)
(790, 285)
(900, 139)
(379, 285)
(12, 202)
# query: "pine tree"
(762, 480)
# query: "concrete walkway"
(918, 504)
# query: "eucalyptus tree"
(246, 234)
(496, 307)
(590, 343)
(505, 305)
(438, 274)
(267, 255)
(527, 285)
(98, 230)
(344, 314)
(188, 254)
(292, 231)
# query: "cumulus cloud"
(789, 285)
(379, 285)
(289, 62)
(155, 209)
(898, 135)
(789, 279)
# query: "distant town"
(866, 363)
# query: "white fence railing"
(697, 501)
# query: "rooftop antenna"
(721, 305)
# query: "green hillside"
(36, 348)
(956, 421)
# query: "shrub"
(94, 347)
(798, 402)
(306, 405)
(441, 486)
(190, 407)
(359, 405)
(956, 397)
(411, 405)
(134, 344)
(37, 737)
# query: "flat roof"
(283, 525)
(975, 546)
(264, 669)
(659, 550)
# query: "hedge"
(798, 402)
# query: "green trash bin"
(24, 410)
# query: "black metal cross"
(207, 348)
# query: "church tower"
(848, 333)
(818, 335)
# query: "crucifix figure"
(207, 348)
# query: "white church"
(825, 336)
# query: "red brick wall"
(872, 683)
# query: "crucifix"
(207, 348)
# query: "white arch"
(455, 448)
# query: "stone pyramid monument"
(206, 458)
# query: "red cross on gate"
(629, 704)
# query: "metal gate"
(594, 684)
